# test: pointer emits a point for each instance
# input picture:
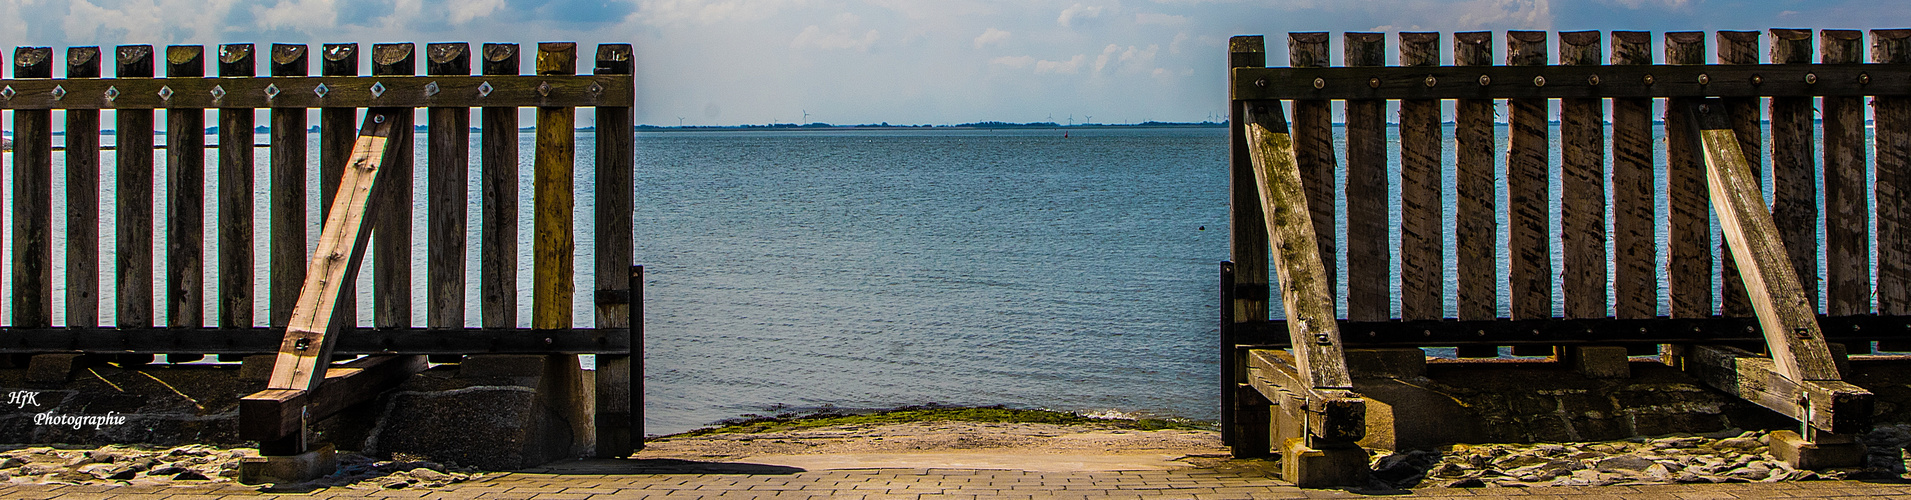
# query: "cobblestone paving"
(928, 484)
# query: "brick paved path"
(927, 484)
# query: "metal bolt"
(1811, 78)
(1431, 80)
(1592, 80)
(378, 119)
(1261, 83)
(547, 340)
(1705, 108)
(1373, 83)
(1705, 79)
(301, 344)
(1485, 80)
(1864, 78)
(1539, 81)
(1756, 79)
(1320, 83)
(1649, 79)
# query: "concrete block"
(51, 370)
(496, 414)
(1606, 362)
(306, 466)
(257, 367)
(1323, 465)
(1387, 363)
(1829, 451)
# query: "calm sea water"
(865, 269)
(872, 269)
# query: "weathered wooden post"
(235, 194)
(447, 188)
(288, 190)
(82, 198)
(33, 199)
(133, 199)
(619, 382)
(1244, 412)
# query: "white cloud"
(1131, 57)
(992, 36)
(1075, 12)
(1158, 19)
(1638, 4)
(1067, 67)
(1521, 14)
(814, 37)
(466, 10)
(708, 12)
(1174, 47)
(302, 15)
(1013, 61)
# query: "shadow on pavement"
(656, 466)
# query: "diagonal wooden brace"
(1316, 369)
(1801, 379)
(306, 349)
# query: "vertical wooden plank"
(32, 199)
(288, 191)
(1740, 47)
(619, 400)
(338, 129)
(1794, 167)
(1529, 275)
(497, 253)
(552, 238)
(1476, 225)
(1313, 134)
(1244, 293)
(449, 171)
(1421, 247)
(1690, 268)
(391, 241)
(1582, 131)
(185, 198)
(1847, 239)
(1892, 136)
(133, 196)
(448, 167)
(1635, 249)
(82, 198)
(235, 195)
(1475, 228)
(1367, 246)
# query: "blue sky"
(727, 62)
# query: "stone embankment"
(1722, 457)
(201, 464)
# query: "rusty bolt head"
(1592, 80)
(1320, 83)
(1539, 81)
(1811, 78)
(1261, 83)
(1864, 78)
(1705, 79)
(1649, 79)
(1373, 83)
(1431, 81)
(1756, 79)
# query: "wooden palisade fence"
(1284, 193)
(449, 90)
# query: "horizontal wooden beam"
(272, 414)
(1563, 331)
(359, 341)
(306, 92)
(1507, 82)
(1829, 405)
(1334, 414)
